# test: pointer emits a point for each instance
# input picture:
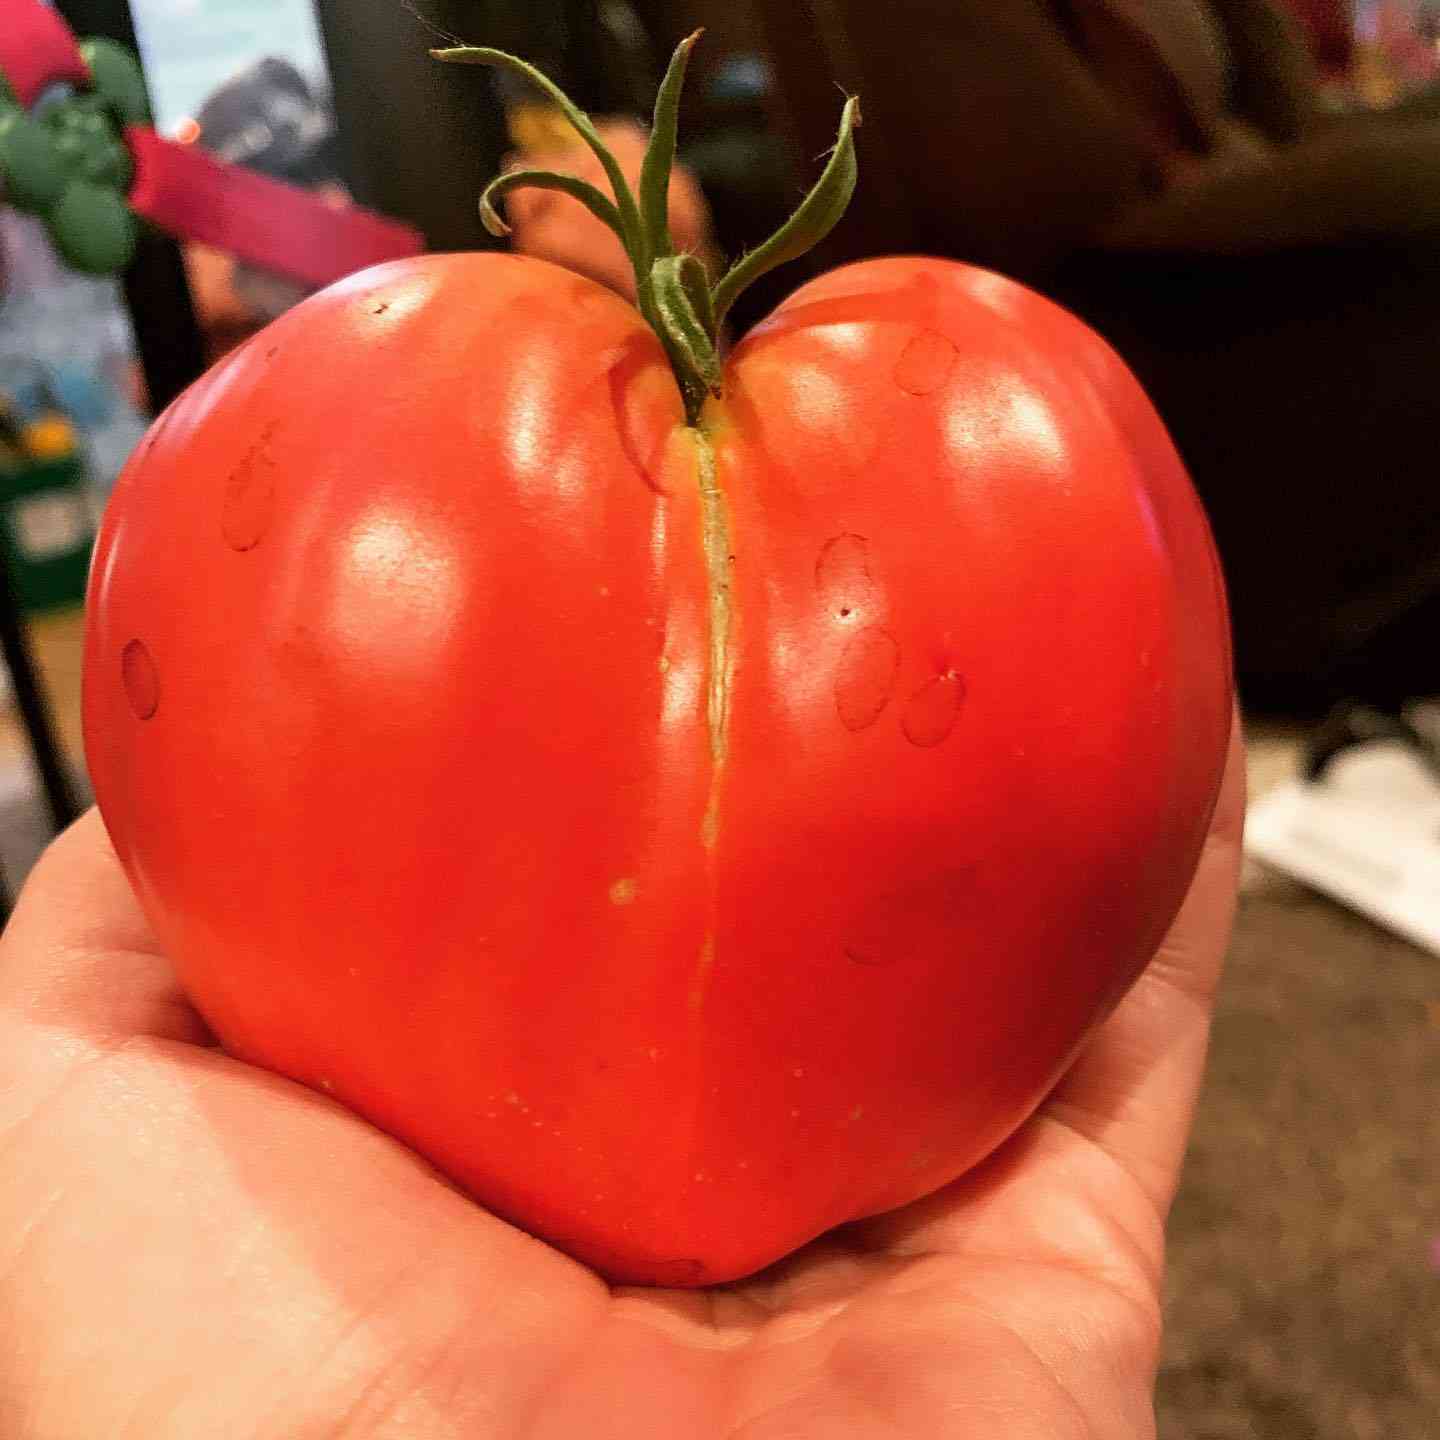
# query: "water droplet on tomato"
(931, 712)
(140, 678)
(866, 678)
(842, 576)
(925, 363)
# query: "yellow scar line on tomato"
(701, 983)
(715, 521)
(716, 541)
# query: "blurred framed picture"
(248, 81)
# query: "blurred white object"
(1367, 833)
(75, 331)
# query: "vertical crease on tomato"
(715, 519)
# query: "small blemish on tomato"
(381, 308)
(843, 578)
(249, 499)
(857, 956)
(623, 891)
(925, 363)
(866, 678)
(932, 711)
(140, 678)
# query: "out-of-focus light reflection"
(796, 676)
(682, 679)
(187, 130)
(530, 430)
(814, 399)
(1008, 418)
(397, 591)
(524, 431)
(659, 538)
(1031, 420)
(996, 293)
(545, 467)
(850, 340)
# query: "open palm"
(191, 1247)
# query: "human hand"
(191, 1247)
(552, 226)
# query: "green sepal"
(817, 216)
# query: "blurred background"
(1243, 196)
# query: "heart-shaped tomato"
(687, 838)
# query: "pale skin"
(192, 1248)
(556, 228)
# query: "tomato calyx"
(673, 291)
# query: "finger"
(79, 955)
(1135, 1087)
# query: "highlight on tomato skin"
(693, 799)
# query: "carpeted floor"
(1304, 1276)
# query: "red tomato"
(688, 843)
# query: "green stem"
(673, 291)
(572, 185)
(682, 304)
(584, 127)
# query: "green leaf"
(116, 77)
(88, 142)
(32, 175)
(660, 153)
(571, 185)
(817, 216)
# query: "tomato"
(689, 838)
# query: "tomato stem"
(672, 291)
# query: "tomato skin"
(401, 710)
